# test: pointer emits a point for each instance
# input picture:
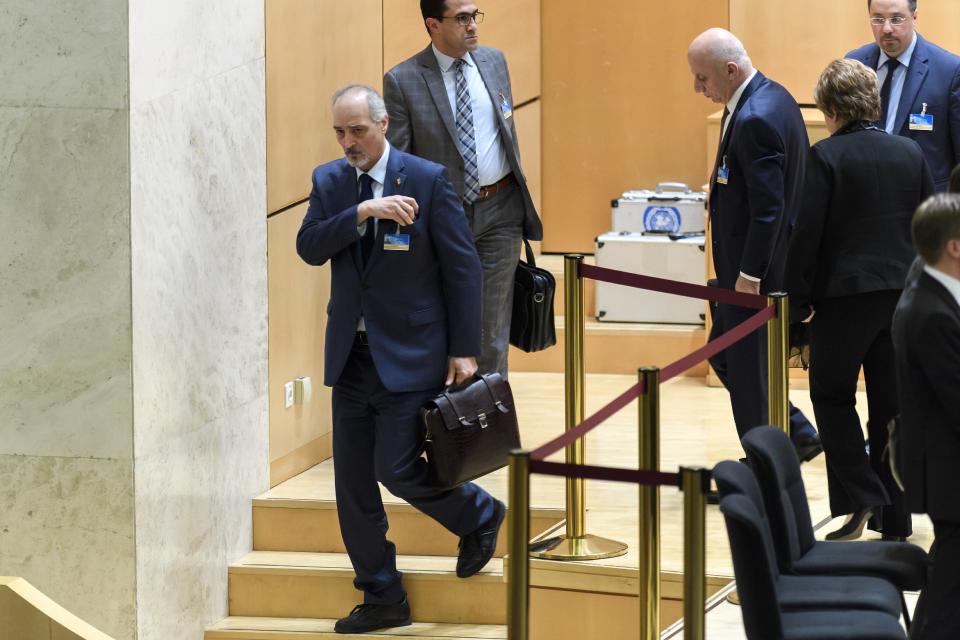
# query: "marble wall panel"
(198, 241)
(65, 387)
(66, 525)
(199, 254)
(194, 519)
(177, 43)
(68, 53)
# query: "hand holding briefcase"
(470, 431)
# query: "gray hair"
(378, 110)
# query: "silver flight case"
(670, 208)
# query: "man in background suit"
(404, 319)
(452, 103)
(926, 335)
(754, 198)
(919, 85)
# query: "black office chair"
(799, 593)
(760, 607)
(775, 463)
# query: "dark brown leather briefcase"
(470, 431)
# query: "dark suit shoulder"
(867, 142)
(413, 64)
(417, 167)
(936, 54)
(331, 171)
(864, 53)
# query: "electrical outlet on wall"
(288, 394)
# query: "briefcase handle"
(489, 381)
(529, 250)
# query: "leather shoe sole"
(370, 617)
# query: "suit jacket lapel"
(438, 91)
(916, 74)
(393, 183)
(491, 80)
(347, 193)
(725, 141)
(933, 286)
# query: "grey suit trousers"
(497, 225)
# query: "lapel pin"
(398, 182)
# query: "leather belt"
(361, 338)
(492, 189)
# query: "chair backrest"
(736, 478)
(777, 467)
(756, 576)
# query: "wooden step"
(312, 525)
(320, 585)
(619, 347)
(240, 628)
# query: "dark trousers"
(497, 226)
(937, 616)
(845, 333)
(742, 368)
(378, 436)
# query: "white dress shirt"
(492, 164)
(899, 77)
(952, 284)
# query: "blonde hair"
(847, 90)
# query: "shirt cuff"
(750, 278)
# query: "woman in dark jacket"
(848, 259)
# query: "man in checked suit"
(403, 320)
(919, 85)
(926, 337)
(754, 199)
(452, 103)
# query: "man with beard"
(404, 320)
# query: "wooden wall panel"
(615, 118)
(312, 48)
(793, 42)
(528, 132)
(298, 295)
(510, 25)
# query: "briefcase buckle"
(482, 419)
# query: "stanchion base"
(733, 597)
(589, 547)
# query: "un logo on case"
(661, 219)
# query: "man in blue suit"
(754, 199)
(919, 85)
(404, 320)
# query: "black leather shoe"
(713, 497)
(370, 617)
(808, 447)
(477, 548)
(853, 527)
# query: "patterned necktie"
(891, 64)
(468, 144)
(370, 232)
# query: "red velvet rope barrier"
(611, 474)
(672, 370)
(723, 296)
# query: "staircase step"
(320, 585)
(619, 347)
(241, 628)
(312, 525)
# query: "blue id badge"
(723, 174)
(921, 122)
(396, 241)
(505, 107)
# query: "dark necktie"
(370, 232)
(891, 64)
(465, 135)
(716, 162)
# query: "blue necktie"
(468, 145)
(891, 65)
(370, 232)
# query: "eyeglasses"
(464, 19)
(895, 21)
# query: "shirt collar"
(379, 171)
(446, 61)
(949, 282)
(735, 98)
(904, 58)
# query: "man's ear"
(953, 248)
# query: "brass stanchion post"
(778, 352)
(576, 544)
(518, 531)
(648, 405)
(694, 482)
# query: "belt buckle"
(483, 193)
